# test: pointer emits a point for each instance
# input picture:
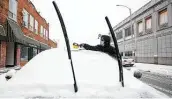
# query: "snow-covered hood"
(49, 74)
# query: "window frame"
(140, 33)
(129, 28)
(31, 28)
(41, 31)
(148, 30)
(27, 56)
(165, 24)
(36, 26)
(25, 14)
(12, 13)
(117, 35)
(146, 19)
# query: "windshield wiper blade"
(121, 79)
(67, 42)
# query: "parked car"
(127, 61)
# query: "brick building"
(23, 32)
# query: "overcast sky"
(84, 19)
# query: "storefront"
(20, 48)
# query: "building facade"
(146, 35)
(23, 33)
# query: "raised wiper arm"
(121, 79)
(67, 42)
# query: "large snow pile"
(97, 75)
(48, 67)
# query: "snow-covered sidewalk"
(154, 68)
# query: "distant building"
(151, 41)
(23, 33)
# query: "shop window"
(24, 53)
(35, 51)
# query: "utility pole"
(131, 29)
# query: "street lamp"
(130, 24)
(126, 7)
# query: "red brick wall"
(3, 54)
(4, 5)
(25, 4)
(52, 43)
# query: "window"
(47, 35)
(121, 53)
(148, 23)
(24, 53)
(13, 9)
(140, 27)
(25, 18)
(36, 27)
(163, 18)
(35, 51)
(119, 35)
(132, 32)
(31, 25)
(42, 31)
(128, 31)
(128, 53)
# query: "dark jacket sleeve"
(89, 47)
(111, 51)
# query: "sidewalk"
(154, 68)
(5, 70)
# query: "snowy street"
(157, 76)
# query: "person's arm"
(112, 52)
(89, 47)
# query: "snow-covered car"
(126, 61)
(54, 74)
(49, 74)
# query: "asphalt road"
(160, 82)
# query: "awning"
(2, 33)
(44, 46)
(15, 34)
